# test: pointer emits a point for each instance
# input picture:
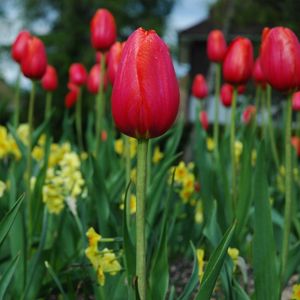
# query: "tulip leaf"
(264, 258)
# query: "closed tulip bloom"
(103, 30)
(34, 60)
(203, 118)
(238, 61)
(77, 74)
(248, 114)
(296, 101)
(226, 94)
(94, 79)
(216, 46)
(258, 75)
(19, 46)
(49, 80)
(199, 87)
(295, 141)
(114, 57)
(145, 95)
(71, 99)
(280, 58)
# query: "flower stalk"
(217, 100)
(79, 119)
(17, 102)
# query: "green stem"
(48, 105)
(127, 175)
(100, 104)
(79, 120)
(271, 128)
(140, 216)
(298, 124)
(288, 190)
(258, 92)
(263, 121)
(149, 163)
(232, 147)
(217, 101)
(17, 101)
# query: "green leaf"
(7, 276)
(8, 219)
(240, 294)
(214, 265)
(264, 258)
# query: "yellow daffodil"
(200, 258)
(157, 155)
(296, 292)
(210, 144)
(234, 254)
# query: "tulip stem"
(48, 105)
(141, 186)
(271, 128)
(258, 93)
(217, 100)
(288, 189)
(298, 124)
(17, 101)
(232, 147)
(100, 103)
(79, 120)
(127, 175)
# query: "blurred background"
(63, 25)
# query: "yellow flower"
(133, 175)
(93, 237)
(133, 146)
(238, 149)
(4, 142)
(253, 157)
(38, 153)
(2, 188)
(157, 155)
(132, 203)
(210, 144)
(14, 148)
(23, 133)
(234, 254)
(296, 292)
(200, 258)
(180, 172)
(109, 262)
(119, 146)
(185, 195)
(199, 213)
(189, 182)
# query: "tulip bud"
(19, 46)
(94, 79)
(226, 94)
(49, 80)
(238, 61)
(77, 74)
(103, 30)
(145, 95)
(203, 118)
(258, 75)
(114, 57)
(295, 141)
(216, 46)
(296, 101)
(280, 58)
(248, 114)
(71, 99)
(34, 60)
(199, 87)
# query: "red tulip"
(34, 60)
(77, 74)
(295, 141)
(199, 87)
(49, 80)
(114, 57)
(258, 75)
(226, 94)
(71, 98)
(216, 46)
(19, 46)
(241, 89)
(103, 30)
(203, 118)
(248, 114)
(94, 79)
(296, 101)
(280, 58)
(238, 61)
(145, 95)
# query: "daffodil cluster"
(8, 145)
(64, 182)
(103, 261)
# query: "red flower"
(216, 46)
(34, 60)
(258, 75)
(94, 79)
(49, 80)
(114, 57)
(241, 89)
(226, 94)
(19, 46)
(280, 58)
(296, 101)
(71, 98)
(203, 118)
(104, 135)
(199, 87)
(77, 74)
(295, 140)
(248, 114)
(145, 95)
(238, 61)
(103, 30)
